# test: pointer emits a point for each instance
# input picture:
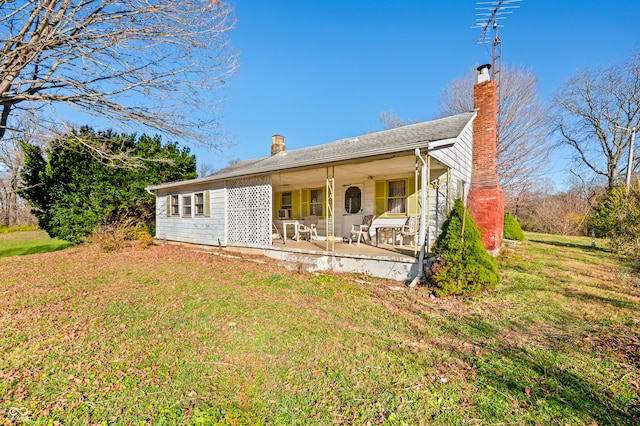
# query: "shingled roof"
(380, 144)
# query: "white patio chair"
(275, 233)
(308, 228)
(409, 229)
(361, 231)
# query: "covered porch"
(389, 191)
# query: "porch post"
(425, 169)
(329, 216)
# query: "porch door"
(352, 209)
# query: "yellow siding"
(305, 198)
(412, 199)
(381, 198)
(277, 203)
(295, 204)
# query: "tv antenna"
(488, 17)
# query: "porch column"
(329, 216)
(424, 172)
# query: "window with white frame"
(186, 205)
(287, 202)
(198, 201)
(175, 205)
(397, 197)
(315, 203)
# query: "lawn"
(169, 335)
(28, 242)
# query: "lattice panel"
(249, 211)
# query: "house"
(415, 171)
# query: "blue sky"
(316, 71)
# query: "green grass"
(20, 228)
(21, 242)
(171, 336)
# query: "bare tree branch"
(523, 148)
(156, 63)
(595, 111)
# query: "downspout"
(416, 231)
(423, 218)
(427, 232)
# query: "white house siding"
(458, 158)
(249, 206)
(219, 222)
(367, 200)
(209, 230)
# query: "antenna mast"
(488, 17)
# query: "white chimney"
(483, 73)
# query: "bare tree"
(205, 169)
(13, 209)
(155, 63)
(595, 112)
(11, 159)
(391, 120)
(523, 148)
(562, 213)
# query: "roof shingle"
(398, 140)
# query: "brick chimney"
(277, 144)
(485, 200)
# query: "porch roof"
(373, 145)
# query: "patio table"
(296, 227)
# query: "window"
(397, 197)
(287, 202)
(175, 205)
(186, 205)
(198, 201)
(352, 200)
(315, 202)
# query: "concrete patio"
(384, 261)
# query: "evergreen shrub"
(462, 265)
(512, 229)
(618, 220)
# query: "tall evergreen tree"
(73, 188)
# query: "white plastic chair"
(362, 231)
(309, 227)
(409, 229)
